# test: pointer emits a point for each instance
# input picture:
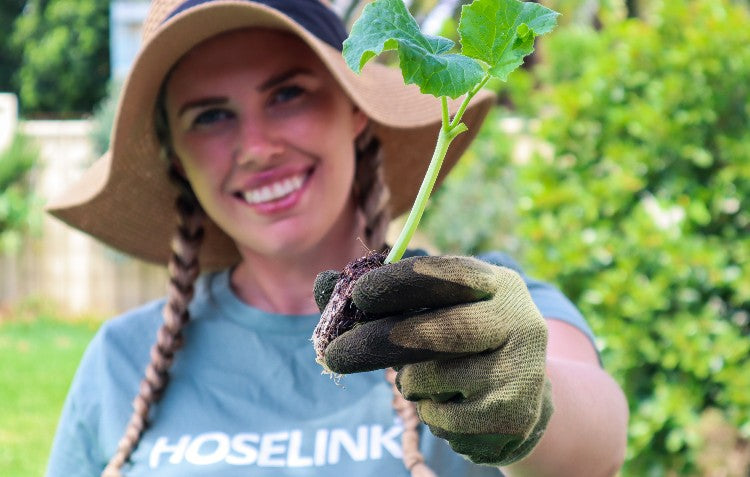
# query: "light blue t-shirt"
(245, 398)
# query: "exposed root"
(340, 314)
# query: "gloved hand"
(469, 345)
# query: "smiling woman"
(266, 140)
(282, 163)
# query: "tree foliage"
(640, 212)
(64, 51)
(9, 57)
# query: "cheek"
(337, 151)
(345, 169)
(200, 156)
(205, 178)
(328, 118)
(331, 141)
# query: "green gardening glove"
(469, 344)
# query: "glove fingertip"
(323, 288)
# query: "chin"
(285, 245)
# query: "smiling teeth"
(273, 191)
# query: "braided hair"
(372, 195)
(183, 271)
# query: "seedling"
(495, 37)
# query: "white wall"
(8, 118)
(126, 21)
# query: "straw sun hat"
(126, 199)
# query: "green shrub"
(18, 205)
(642, 215)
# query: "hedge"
(639, 209)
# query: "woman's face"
(266, 137)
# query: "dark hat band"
(310, 14)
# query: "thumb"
(323, 288)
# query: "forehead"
(256, 47)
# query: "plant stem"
(399, 247)
(465, 103)
(448, 132)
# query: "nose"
(257, 144)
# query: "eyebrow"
(268, 84)
(281, 77)
(200, 103)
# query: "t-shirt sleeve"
(550, 301)
(74, 449)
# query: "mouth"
(274, 191)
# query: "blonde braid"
(407, 411)
(371, 190)
(373, 195)
(183, 271)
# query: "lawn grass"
(38, 357)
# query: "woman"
(281, 162)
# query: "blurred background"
(616, 165)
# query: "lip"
(274, 191)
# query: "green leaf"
(384, 25)
(501, 32)
(439, 75)
(424, 59)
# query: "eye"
(212, 116)
(286, 94)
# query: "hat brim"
(126, 199)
